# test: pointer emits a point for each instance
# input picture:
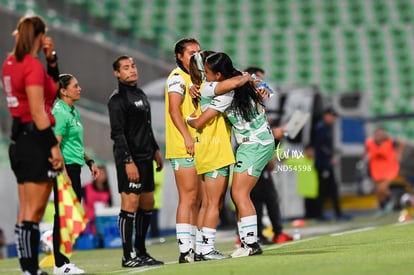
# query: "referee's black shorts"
(146, 178)
(29, 156)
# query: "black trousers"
(264, 194)
(74, 172)
(328, 189)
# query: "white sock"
(249, 227)
(209, 235)
(193, 233)
(240, 229)
(199, 241)
(183, 232)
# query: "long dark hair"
(64, 81)
(28, 29)
(244, 95)
(179, 48)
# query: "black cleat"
(147, 259)
(254, 248)
(132, 262)
(198, 257)
(187, 257)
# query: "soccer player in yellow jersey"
(179, 141)
(214, 154)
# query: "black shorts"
(146, 178)
(29, 156)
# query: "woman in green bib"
(69, 133)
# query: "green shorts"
(253, 158)
(176, 163)
(224, 171)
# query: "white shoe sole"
(241, 252)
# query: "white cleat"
(68, 269)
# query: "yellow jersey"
(177, 82)
(213, 149)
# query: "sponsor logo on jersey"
(173, 84)
(139, 103)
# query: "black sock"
(60, 259)
(125, 225)
(384, 202)
(28, 241)
(142, 222)
(18, 242)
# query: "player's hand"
(189, 145)
(95, 171)
(194, 91)
(48, 47)
(263, 93)
(132, 172)
(56, 158)
(158, 160)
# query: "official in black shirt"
(134, 151)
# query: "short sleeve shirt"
(209, 99)
(177, 82)
(255, 130)
(16, 76)
(69, 127)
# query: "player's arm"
(232, 83)
(200, 121)
(175, 100)
(400, 149)
(278, 131)
(41, 120)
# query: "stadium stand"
(340, 46)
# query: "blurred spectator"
(324, 164)
(308, 184)
(2, 243)
(384, 154)
(96, 194)
(159, 181)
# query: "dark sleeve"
(83, 194)
(154, 142)
(117, 115)
(321, 141)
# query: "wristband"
(188, 118)
(47, 137)
(53, 71)
(53, 59)
(89, 163)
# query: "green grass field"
(363, 246)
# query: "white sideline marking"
(134, 270)
(270, 247)
(402, 223)
(354, 231)
(277, 246)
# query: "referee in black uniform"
(134, 150)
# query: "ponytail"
(28, 29)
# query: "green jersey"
(69, 127)
(256, 130)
